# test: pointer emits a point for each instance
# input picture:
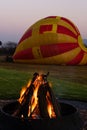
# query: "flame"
(23, 91)
(21, 94)
(34, 99)
(51, 111)
(50, 107)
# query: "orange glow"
(21, 94)
(34, 100)
(50, 107)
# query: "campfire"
(37, 108)
(37, 99)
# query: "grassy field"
(67, 81)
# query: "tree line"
(7, 50)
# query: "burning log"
(47, 100)
(52, 99)
(38, 100)
(25, 99)
(42, 101)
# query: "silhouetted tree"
(0, 43)
(8, 50)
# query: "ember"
(37, 100)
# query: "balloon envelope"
(51, 40)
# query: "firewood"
(23, 107)
(53, 100)
(42, 102)
(44, 97)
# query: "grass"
(11, 82)
(70, 90)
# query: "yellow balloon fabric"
(51, 40)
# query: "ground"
(71, 73)
(81, 106)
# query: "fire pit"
(37, 108)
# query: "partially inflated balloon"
(51, 40)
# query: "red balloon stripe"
(55, 49)
(64, 30)
(25, 54)
(50, 17)
(26, 35)
(44, 28)
(77, 59)
(68, 21)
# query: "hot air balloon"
(51, 40)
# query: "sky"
(16, 16)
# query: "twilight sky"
(16, 16)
